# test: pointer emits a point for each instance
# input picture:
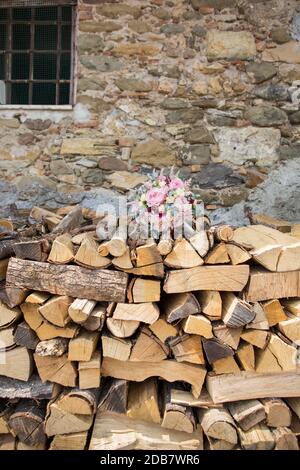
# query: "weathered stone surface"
(172, 28)
(101, 63)
(92, 176)
(89, 42)
(133, 84)
(174, 103)
(165, 70)
(91, 83)
(112, 164)
(115, 10)
(199, 31)
(288, 52)
(139, 26)
(288, 152)
(261, 71)
(81, 146)
(216, 176)
(230, 196)
(218, 4)
(289, 72)
(189, 116)
(295, 118)
(125, 180)
(248, 144)
(38, 124)
(26, 139)
(99, 26)
(266, 116)
(153, 152)
(219, 120)
(59, 167)
(195, 154)
(162, 14)
(206, 102)
(96, 105)
(271, 91)
(140, 49)
(230, 45)
(280, 35)
(199, 135)
(12, 123)
(87, 163)
(295, 26)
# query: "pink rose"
(155, 197)
(176, 183)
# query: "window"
(36, 54)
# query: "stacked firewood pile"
(143, 344)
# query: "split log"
(198, 325)
(113, 395)
(88, 255)
(148, 348)
(285, 439)
(35, 250)
(245, 356)
(73, 441)
(76, 401)
(178, 306)
(33, 388)
(3, 268)
(258, 338)
(284, 354)
(200, 243)
(6, 248)
(53, 347)
(143, 290)
(80, 309)
(165, 246)
(169, 370)
(116, 348)
(116, 246)
(8, 316)
(55, 310)
(235, 312)
(218, 255)
(229, 336)
(187, 348)
(274, 312)
(147, 312)
(221, 278)
(25, 336)
(263, 219)
(89, 372)
(177, 417)
(163, 330)
(222, 233)
(290, 328)
(7, 340)
(260, 321)
(154, 270)
(62, 251)
(218, 424)
(123, 262)
(237, 254)
(147, 261)
(143, 401)
(82, 347)
(113, 431)
(215, 350)
(182, 397)
(122, 328)
(226, 365)
(277, 412)
(211, 304)
(59, 421)
(294, 404)
(7, 442)
(292, 305)
(12, 296)
(44, 216)
(248, 385)
(72, 220)
(257, 438)
(27, 422)
(6, 410)
(98, 284)
(56, 369)
(183, 256)
(264, 285)
(96, 319)
(247, 413)
(265, 362)
(16, 363)
(38, 298)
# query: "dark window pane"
(43, 93)
(45, 37)
(2, 66)
(3, 14)
(66, 35)
(67, 13)
(21, 36)
(64, 93)
(20, 66)
(65, 66)
(46, 14)
(19, 93)
(21, 14)
(44, 67)
(3, 37)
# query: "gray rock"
(288, 152)
(38, 124)
(295, 27)
(87, 163)
(59, 167)
(230, 45)
(219, 120)
(261, 71)
(271, 91)
(133, 84)
(99, 26)
(113, 10)
(165, 70)
(161, 13)
(295, 118)
(187, 116)
(199, 135)
(199, 31)
(92, 176)
(230, 196)
(195, 154)
(112, 164)
(206, 102)
(101, 63)
(89, 42)
(280, 35)
(139, 26)
(216, 176)
(265, 116)
(91, 83)
(172, 28)
(96, 105)
(174, 103)
(217, 4)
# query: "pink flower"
(176, 183)
(155, 197)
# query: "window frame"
(8, 62)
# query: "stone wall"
(212, 86)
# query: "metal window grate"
(34, 3)
(37, 53)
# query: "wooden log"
(245, 356)
(82, 347)
(295, 425)
(3, 268)
(12, 296)
(187, 348)
(6, 410)
(73, 441)
(165, 246)
(263, 219)
(59, 421)
(214, 350)
(290, 328)
(153, 270)
(182, 397)
(80, 309)
(177, 417)
(34, 388)
(62, 251)
(122, 328)
(226, 365)
(235, 312)
(183, 256)
(123, 262)
(16, 363)
(98, 284)
(294, 404)
(7, 442)
(218, 424)
(247, 413)
(285, 354)
(88, 255)
(7, 340)
(147, 312)
(27, 422)
(265, 362)
(292, 305)
(264, 285)
(143, 290)
(178, 306)
(258, 338)
(211, 304)
(72, 220)
(218, 255)
(53, 347)
(44, 216)
(143, 401)
(221, 278)
(147, 261)
(6, 248)
(277, 412)
(148, 348)
(55, 310)
(163, 330)
(169, 370)
(198, 325)
(200, 243)
(76, 401)
(237, 254)
(56, 369)
(37, 298)
(260, 321)
(229, 336)
(116, 246)
(274, 312)
(113, 395)
(285, 439)
(95, 321)
(257, 438)
(35, 250)
(89, 372)
(25, 336)
(249, 385)
(113, 431)
(222, 233)
(8, 316)
(116, 348)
